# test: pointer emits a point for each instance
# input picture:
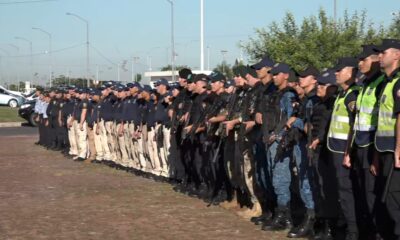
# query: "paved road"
(46, 196)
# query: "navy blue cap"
(174, 85)
(265, 62)
(280, 68)
(309, 71)
(132, 85)
(388, 43)
(108, 84)
(163, 81)
(147, 88)
(71, 87)
(190, 78)
(184, 73)
(120, 88)
(229, 83)
(367, 51)
(102, 87)
(346, 62)
(217, 76)
(251, 71)
(240, 71)
(327, 77)
(201, 77)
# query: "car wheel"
(32, 121)
(13, 103)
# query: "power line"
(22, 2)
(103, 56)
(54, 51)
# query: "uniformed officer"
(362, 151)
(387, 137)
(37, 110)
(80, 122)
(162, 132)
(261, 169)
(317, 119)
(340, 127)
(304, 170)
(281, 110)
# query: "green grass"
(8, 114)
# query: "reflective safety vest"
(339, 127)
(367, 108)
(385, 134)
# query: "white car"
(10, 99)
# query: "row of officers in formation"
(314, 153)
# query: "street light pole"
(202, 35)
(50, 53)
(31, 56)
(16, 48)
(223, 52)
(1, 65)
(172, 41)
(87, 45)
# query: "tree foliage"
(318, 40)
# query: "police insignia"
(84, 105)
(54, 102)
(352, 105)
(61, 105)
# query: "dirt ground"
(46, 196)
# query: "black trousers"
(393, 196)
(344, 177)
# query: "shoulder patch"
(84, 105)
(352, 105)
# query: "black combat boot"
(306, 228)
(280, 221)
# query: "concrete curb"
(11, 124)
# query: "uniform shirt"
(320, 119)
(396, 90)
(38, 105)
(96, 106)
(199, 106)
(161, 115)
(107, 110)
(363, 137)
(130, 110)
(142, 111)
(68, 108)
(89, 113)
(83, 104)
(307, 107)
(51, 109)
(350, 103)
(118, 110)
(150, 116)
(44, 110)
(287, 108)
(262, 99)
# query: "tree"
(138, 77)
(177, 68)
(225, 69)
(318, 41)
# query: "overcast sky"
(123, 29)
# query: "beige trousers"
(72, 137)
